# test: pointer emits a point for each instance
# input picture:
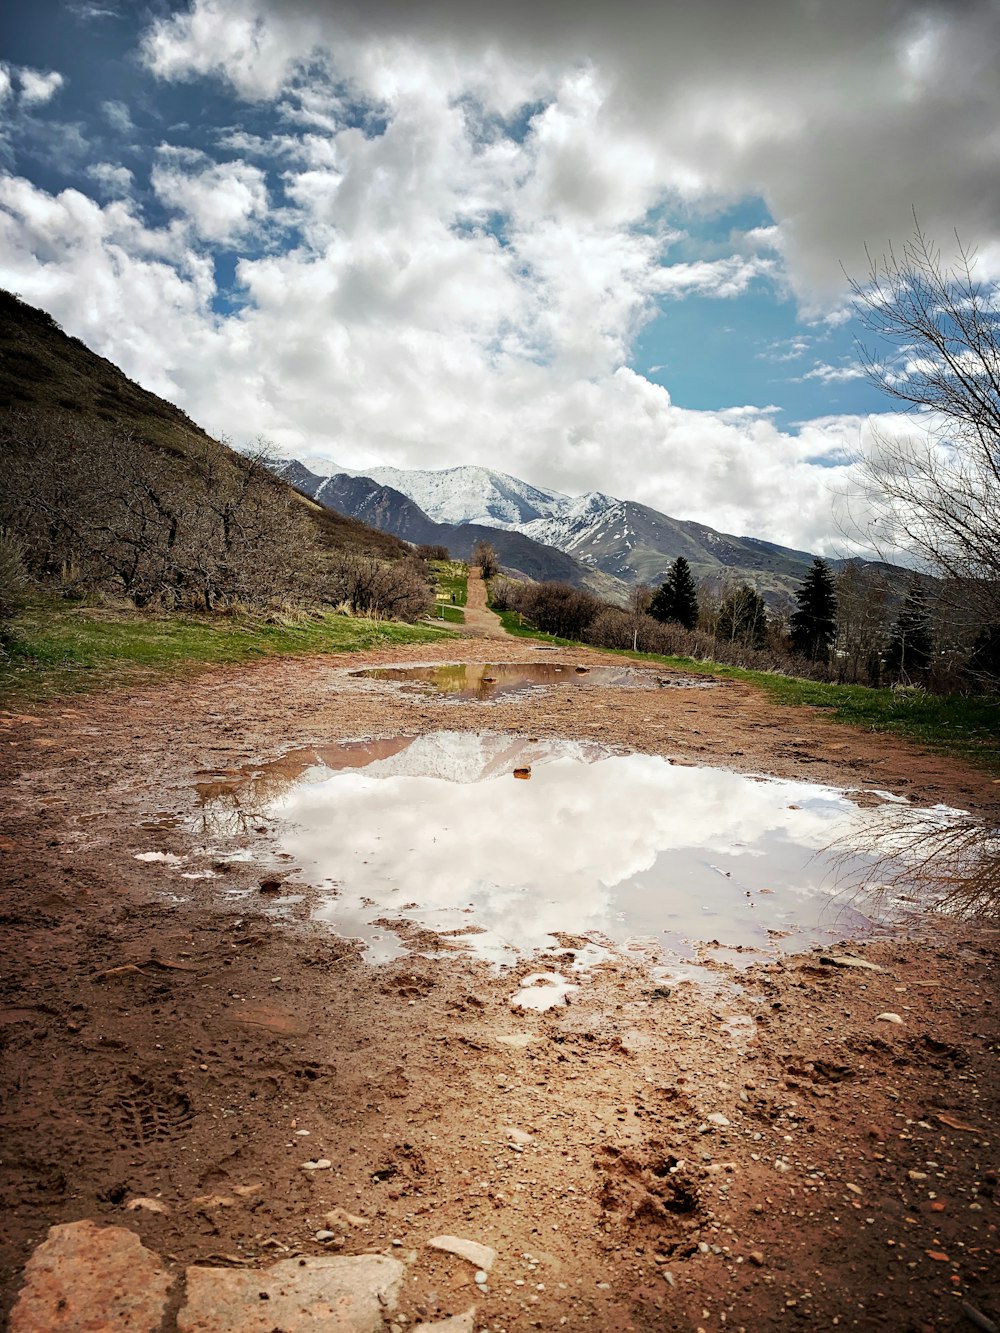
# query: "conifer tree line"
(855, 624)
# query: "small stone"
(480, 1256)
(888, 1018)
(146, 1205)
(916, 1175)
(717, 1118)
(855, 1189)
(322, 1164)
(756, 1257)
(88, 1276)
(481, 1278)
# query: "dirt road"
(480, 621)
(760, 1154)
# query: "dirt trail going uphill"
(760, 1152)
(480, 621)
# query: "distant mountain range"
(592, 540)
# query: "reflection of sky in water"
(622, 846)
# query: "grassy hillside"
(45, 372)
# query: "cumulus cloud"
(113, 180)
(221, 200)
(830, 113)
(38, 87)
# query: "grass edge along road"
(452, 590)
(966, 726)
(58, 649)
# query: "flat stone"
(85, 1276)
(324, 1294)
(479, 1256)
(888, 1018)
(848, 960)
(458, 1323)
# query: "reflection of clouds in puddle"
(434, 830)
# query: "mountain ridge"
(623, 540)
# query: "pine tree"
(743, 618)
(911, 642)
(677, 598)
(813, 627)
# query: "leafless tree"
(484, 555)
(935, 490)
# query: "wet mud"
(673, 1145)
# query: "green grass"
(961, 725)
(512, 623)
(452, 583)
(60, 649)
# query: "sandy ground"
(199, 1052)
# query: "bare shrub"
(98, 509)
(370, 587)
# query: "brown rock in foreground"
(85, 1276)
(321, 1295)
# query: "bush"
(369, 587)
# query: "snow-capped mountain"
(473, 495)
(620, 539)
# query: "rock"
(756, 1257)
(848, 960)
(322, 1164)
(147, 1205)
(325, 1294)
(87, 1276)
(888, 1018)
(480, 1256)
(717, 1118)
(458, 1323)
(517, 1135)
(481, 1278)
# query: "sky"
(600, 247)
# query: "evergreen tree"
(677, 598)
(743, 618)
(911, 642)
(813, 627)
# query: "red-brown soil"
(175, 1049)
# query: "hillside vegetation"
(107, 490)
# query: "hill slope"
(46, 374)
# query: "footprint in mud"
(144, 1113)
(655, 1191)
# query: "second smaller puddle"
(485, 680)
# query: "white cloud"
(114, 180)
(220, 200)
(831, 113)
(37, 87)
(828, 374)
(6, 84)
(118, 116)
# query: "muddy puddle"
(502, 846)
(484, 681)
